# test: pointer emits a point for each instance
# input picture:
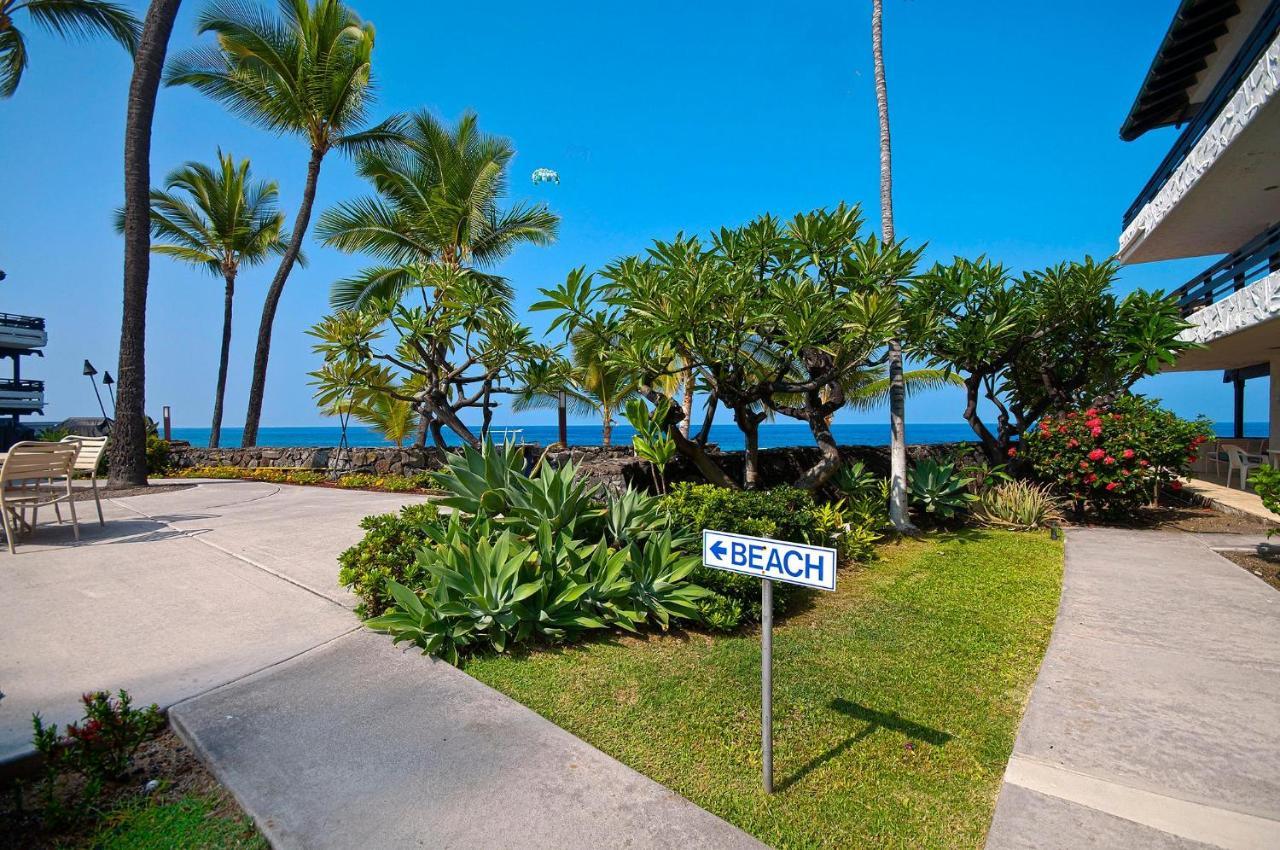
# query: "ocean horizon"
(726, 436)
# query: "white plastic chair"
(1238, 460)
(27, 466)
(91, 450)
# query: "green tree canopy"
(1037, 343)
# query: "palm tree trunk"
(128, 456)
(215, 432)
(606, 438)
(897, 386)
(263, 353)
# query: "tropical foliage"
(436, 222)
(67, 18)
(1266, 483)
(540, 557)
(939, 490)
(306, 73)
(221, 220)
(1115, 458)
(1017, 506)
(1038, 344)
(772, 318)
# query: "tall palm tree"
(306, 73)
(67, 18)
(898, 512)
(222, 220)
(128, 454)
(438, 202)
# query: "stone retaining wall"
(613, 467)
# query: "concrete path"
(359, 743)
(180, 592)
(221, 603)
(1155, 720)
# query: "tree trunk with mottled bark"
(128, 453)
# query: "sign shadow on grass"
(874, 720)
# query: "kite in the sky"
(545, 175)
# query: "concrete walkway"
(180, 592)
(1155, 720)
(221, 603)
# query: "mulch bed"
(164, 758)
(1265, 567)
(1177, 514)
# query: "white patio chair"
(91, 451)
(1238, 460)
(27, 467)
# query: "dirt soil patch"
(1181, 516)
(163, 758)
(1266, 567)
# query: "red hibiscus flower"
(1127, 454)
(1097, 454)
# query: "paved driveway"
(180, 592)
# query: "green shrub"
(522, 558)
(784, 513)
(388, 551)
(99, 748)
(720, 613)
(389, 483)
(52, 434)
(939, 490)
(1018, 505)
(1114, 458)
(157, 455)
(266, 474)
(852, 537)
(1266, 483)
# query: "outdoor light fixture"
(107, 381)
(89, 372)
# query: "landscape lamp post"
(108, 381)
(89, 372)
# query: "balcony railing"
(10, 320)
(1257, 259)
(21, 396)
(1257, 42)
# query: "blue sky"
(659, 117)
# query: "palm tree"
(593, 384)
(437, 203)
(221, 220)
(67, 18)
(897, 387)
(305, 74)
(393, 418)
(128, 460)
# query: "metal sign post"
(770, 560)
(766, 682)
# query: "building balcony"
(1220, 183)
(1234, 308)
(22, 332)
(21, 397)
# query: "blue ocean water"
(727, 436)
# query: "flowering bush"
(1113, 458)
(1266, 483)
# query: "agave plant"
(659, 576)
(557, 497)
(939, 490)
(1018, 505)
(634, 516)
(480, 481)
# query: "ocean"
(726, 436)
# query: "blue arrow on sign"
(718, 549)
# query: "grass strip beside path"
(896, 698)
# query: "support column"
(1237, 407)
(1273, 407)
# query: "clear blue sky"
(659, 116)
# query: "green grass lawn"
(896, 698)
(193, 822)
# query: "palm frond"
(81, 19)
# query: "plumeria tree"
(1038, 343)
(772, 318)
